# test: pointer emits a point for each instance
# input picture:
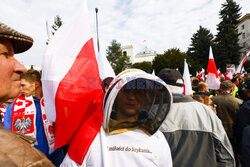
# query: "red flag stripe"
(75, 92)
(211, 68)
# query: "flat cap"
(20, 42)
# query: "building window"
(243, 35)
(243, 27)
(125, 53)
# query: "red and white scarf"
(48, 128)
(23, 118)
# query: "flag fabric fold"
(71, 81)
(187, 80)
(212, 77)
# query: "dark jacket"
(245, 149)
(242, 120)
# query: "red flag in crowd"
(72, 85)
(212, 78)
(201, 75)
(228, 75)
(219, 73)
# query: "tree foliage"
(227, 50)
(57, 24)
(174, 59)
(116, 58)
(247, 64)
(199, 47)
(145, 66)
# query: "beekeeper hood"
(136, 100)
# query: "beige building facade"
(244, 28)
(145, 55)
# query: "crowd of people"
(147, 121)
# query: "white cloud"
(163, 24)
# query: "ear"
(37, 84)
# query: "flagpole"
(96, 11)
(48, 32)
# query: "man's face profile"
(10, 70)
(27, 88)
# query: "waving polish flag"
(72, 85)
(228, 75)
(219, 73)
(241, 63)
(187, 80)
(212, 77)
(201, 75)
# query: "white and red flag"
(212, 77)
(187, 80)
(228, 75)
(219, 73)
(201, 75)
(71, 78)
(239, 69)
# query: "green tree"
(116, 58)
(199, 47)
(174, 58)
(227, 50)
(145, 66)
(57, 24)
(246, 65)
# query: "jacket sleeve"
(7, 117)
(223, 148)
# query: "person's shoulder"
(245, 106)
(10, 106)
(240, 101)
(36, 100)
(160, 136)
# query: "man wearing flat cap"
(195, 134)
(14, 151)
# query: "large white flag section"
(212, 80)
(72, 85)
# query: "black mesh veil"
(141, 102)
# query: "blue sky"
(164, 24)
